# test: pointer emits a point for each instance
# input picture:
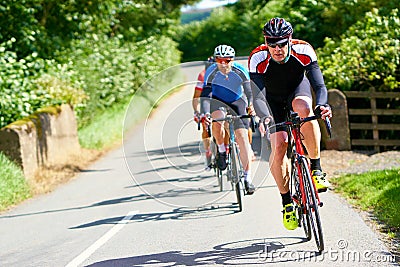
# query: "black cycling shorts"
(237, 107)
(280, 105)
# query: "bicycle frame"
(235, 170)
(294, 132)
(301, 179)
(232, 141)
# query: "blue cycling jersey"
(227, 88)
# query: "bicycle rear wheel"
(236, 175)
(312, 205)
(302, 217)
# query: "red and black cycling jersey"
(280, 80)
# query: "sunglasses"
(280, 45)
(223, 60)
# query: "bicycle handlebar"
(230, 118)
(296, 120)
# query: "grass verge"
(377, 192)
(13, 186)
(106, 129)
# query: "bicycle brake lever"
(328, 126)
(253, 124)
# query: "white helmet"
(224, 51)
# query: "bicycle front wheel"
(302, 217)
(236, 175)
(312, 205)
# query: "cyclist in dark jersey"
(283, 71)
(227, 88)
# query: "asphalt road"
(150, 203)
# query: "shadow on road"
(247, 252)
(183, 213)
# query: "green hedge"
(92, 76)
(30, 83)
(110, 70)
(367, 55)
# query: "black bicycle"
(302, 186)
(235, 171)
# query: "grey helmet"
(224, 51)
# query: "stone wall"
(46, 137)
(340, 139)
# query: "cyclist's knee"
(303, 106)
(279, 143)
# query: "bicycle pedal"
(322, 190)
(321, 204)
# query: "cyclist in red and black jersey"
(283, 71)
(196, 109)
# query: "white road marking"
(101, 241)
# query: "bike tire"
(217, 171)
(236, 176)
(220, 179)
(302, 217)
(312, 205)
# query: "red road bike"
(302, 186)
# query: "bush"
(110, 70)
(24, 89)
(367, 56)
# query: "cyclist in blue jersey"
(284, 70)
(227, 88)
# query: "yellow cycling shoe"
(289, 217)
(321, 183)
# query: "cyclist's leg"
(217, 109)
(218, 131)
(206, 144)
(279, 163)
(238, 107)
(226, 137)
(244, 146)
(302, 104)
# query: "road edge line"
(101, 241)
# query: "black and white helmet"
(224, 51)
(277, 28)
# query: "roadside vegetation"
(13, 186)
(378, 193)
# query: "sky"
(209, 4)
